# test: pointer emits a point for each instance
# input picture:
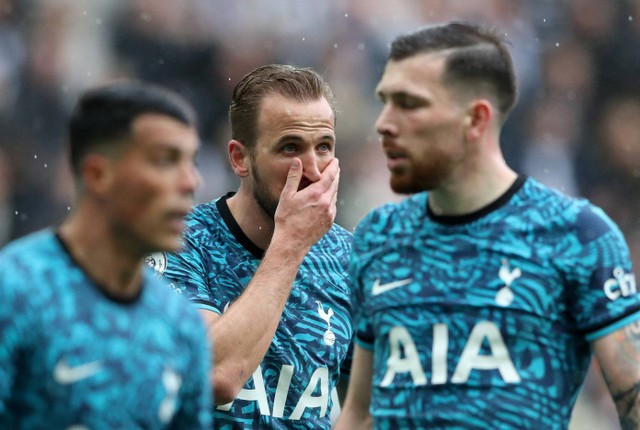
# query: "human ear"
(239, 158)
(97, 173)
(478, 117)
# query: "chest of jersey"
(96, 362)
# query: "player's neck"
(253, 221)
(472, 191)
(108, 262)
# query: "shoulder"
(393, 218)
(31, 272)
(29, 254)
(204, 225)
(202, 218)
(550, 206)
(175, 307)
(34, 242)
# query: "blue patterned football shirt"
(292, 387)
(72, 357)
(484, 321)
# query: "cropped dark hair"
(104, 115)
(297, 83)
(476, 57)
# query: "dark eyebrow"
(330, 137)
(297, 138)
(290, 137)
(392, 95)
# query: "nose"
(311, 166)
(384, 124)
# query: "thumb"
(293, 177)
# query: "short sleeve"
(604, 295)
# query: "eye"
(165, 158)
(164, 161)
(324, 147)
(289, 148)
(407, 103)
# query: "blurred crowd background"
(576, 127)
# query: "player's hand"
(304, 216)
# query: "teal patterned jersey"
(292, 387)
(484, 321)
(73, 358)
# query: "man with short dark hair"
(479, 298)
(89, 337)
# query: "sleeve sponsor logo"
(622, 284)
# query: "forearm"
(355, 412)
(243, 334)
(352, 420)
(618, 356)
(628, 406)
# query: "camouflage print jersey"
(484, 320)
(293, 386)
(72, 357)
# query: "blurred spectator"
(6, 207)
(13, 49)
(549, 155)
(35, 122)
(612, 176)
(160, 41)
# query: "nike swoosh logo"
(65, 374)
(379, 288)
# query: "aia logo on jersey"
(621, 285)
(158, 261)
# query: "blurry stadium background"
(576, 127)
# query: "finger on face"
(293, 177)
(331, 175)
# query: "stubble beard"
(267, 202)
(419, 177)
